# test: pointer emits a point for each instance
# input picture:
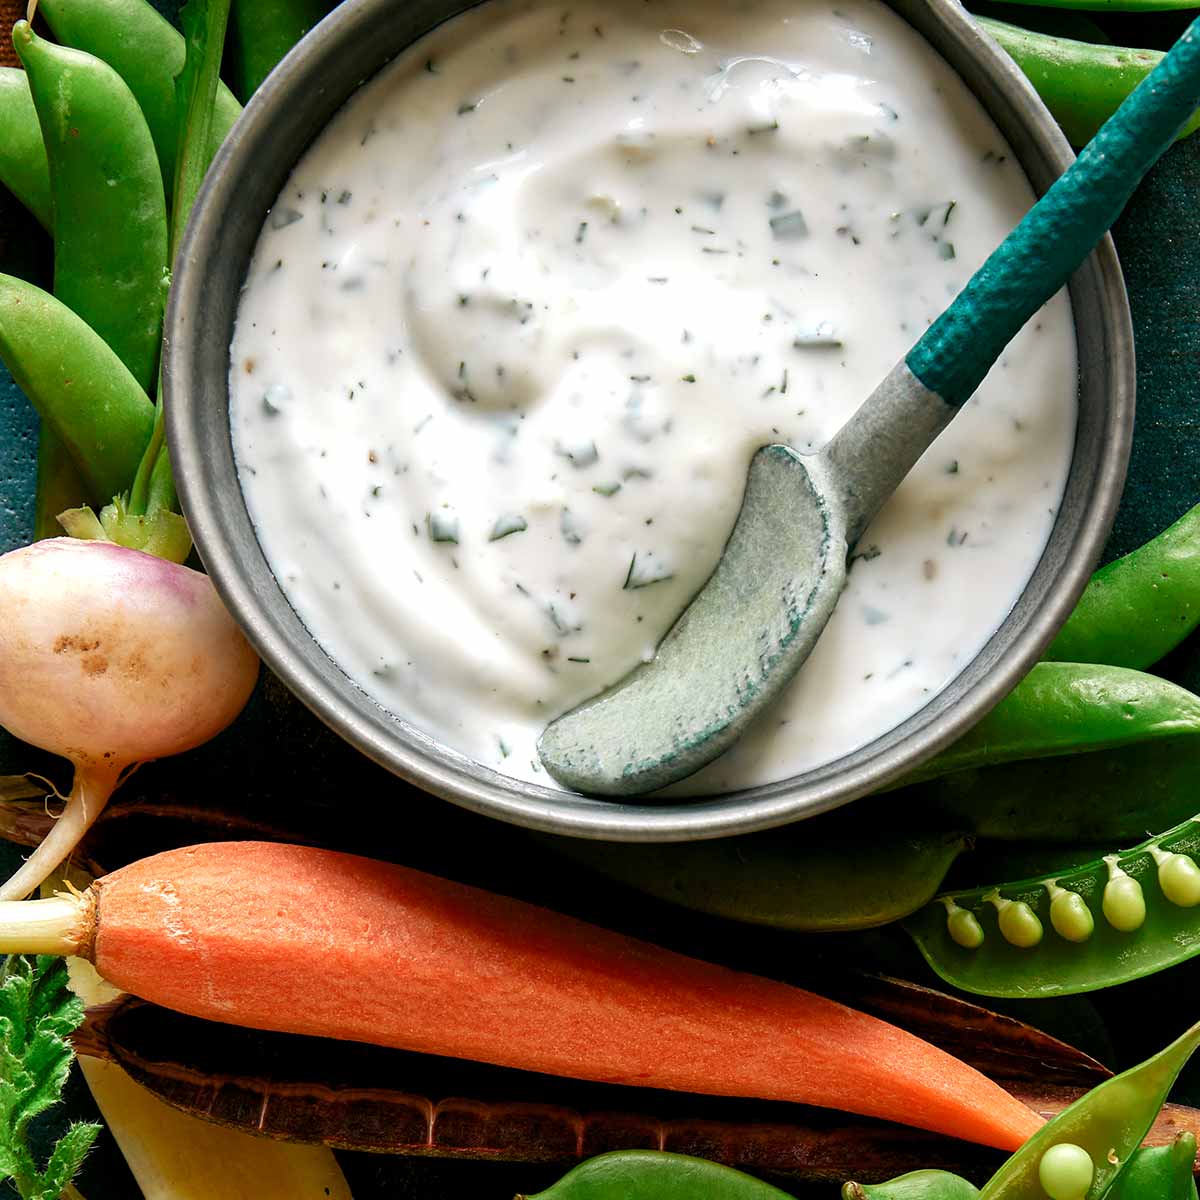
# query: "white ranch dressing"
(526, 308)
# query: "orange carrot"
(308, 941)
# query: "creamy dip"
(524, 311)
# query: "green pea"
(1019, 924)
(1066, 1172)
(1179, 878)
(1105, 1127)
(1124, 904)
(1070, 915)
(963, 926)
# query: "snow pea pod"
(1159, 1173)
(1082, 84)
(1067, 708)
(1068, 799)
(80, 388)
(656, 1175)
(147, 52)
(23, 167)
(263, 32)
(1139, 607)
(1121, 917)
(916, 1185)
(110, 215)
(803, 878)
(1108, 1124)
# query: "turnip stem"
(53, 926)
(92, 787)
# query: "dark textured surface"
(277, 747)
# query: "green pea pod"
(148, 53)
(1113, 5)
(1082, 84)
(1159, 1173)
(60, 486)
(263, 32)
(1109, 1123)
(799, 878)
(110, 215)
(1139, 607)
(78, 385)
(23, 167)
(1078, 798)
(1066, 708)
(1121, 917)
(656, 1175)
(916, 1185)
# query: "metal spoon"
(752, 625)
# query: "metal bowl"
(284, 117)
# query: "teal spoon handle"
(1056, 235)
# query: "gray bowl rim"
(206, 479)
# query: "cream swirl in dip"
(526, 308)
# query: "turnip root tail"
(89, 794)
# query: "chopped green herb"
(644, 570)
(570, 528)
(689, 378)
(578, 660)
(606, 489)
(946, 250)
(581, 455)
(464, 109)
(443, 526)
(789, 226)
(823, 336)
(506, 524)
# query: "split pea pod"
(916, 1185)
(1123, 916)
(23, 167)
(263, 31)
(1139, 607)
(148, 53)
(1082, 84)
(801, 878)
(110, 215)
(80, 388)
(656, 1175)
(1096, 1137)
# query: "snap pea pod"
(802, 878)
(1159, 1173)
(60, 486)
(1082, 84)
(1121, 917)
(148, 53)
(1139, 607)
(1079, 798)
(1112, 5)
(80, 388)
(916, 1185)
(1066, 708)
(110, 215)
(1108, 1124)
(263, 31)
(656, 1175)
(23, 167)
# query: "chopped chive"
(443, 527)
(789, 226)
(507, 524)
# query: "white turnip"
(110, 658)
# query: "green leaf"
(37, 1014)
(66, 1159)
(204, 23)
